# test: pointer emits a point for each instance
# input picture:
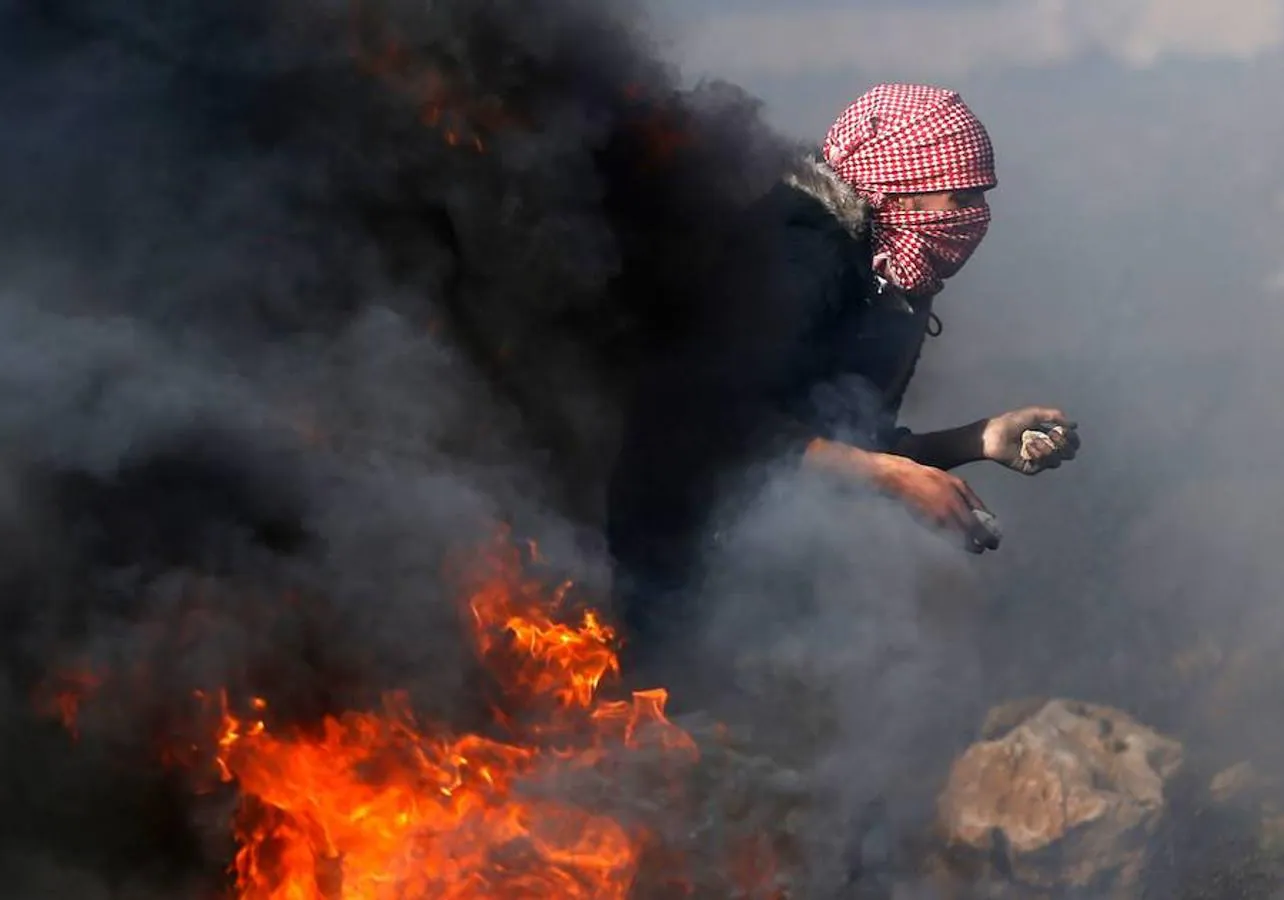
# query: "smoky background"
(1131, 278)
(301, 302)
(269, 334)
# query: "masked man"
(905, 173)
(861, 242)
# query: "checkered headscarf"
(913, 139)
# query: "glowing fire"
(65, 695)
(373, 808)
(377, 805)
(462, 119)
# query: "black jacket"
(857, 339)
(814, 348)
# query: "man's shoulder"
(815, 192)
(816, 221)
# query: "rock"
(1235, 847)
(1068, 798)
(1002, 719)
(1242, 784)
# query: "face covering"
(917, 250)
(912, 139)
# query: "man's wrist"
(979, 441)
(991, 439)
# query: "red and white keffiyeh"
(912, 139)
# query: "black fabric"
(811, 352)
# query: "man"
(812, 363)
(905, 172)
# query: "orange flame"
(377, 806)
(64, 697)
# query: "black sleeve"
(888, 433)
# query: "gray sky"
(1133, 275)
(955, 39)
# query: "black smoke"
(297, 299)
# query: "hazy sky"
(1133, 274)
(959, 38)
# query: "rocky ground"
(1059, 798)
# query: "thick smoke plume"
(299, 299)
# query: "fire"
(378, 805)
(65, 695)
(389, 812)
(462, 118)
(512, 617)
(467, 117)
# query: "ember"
(443, 104)
(65, 694)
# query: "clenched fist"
(1030, 440)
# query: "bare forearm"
(936, 496)
(833, 456)
(947, 449)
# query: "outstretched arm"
(947, 449)
(937, 497)
(1028, 440)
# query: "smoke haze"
(299, 300)
(287, 315)
(1131, 277)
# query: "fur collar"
(817, 180)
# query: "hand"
(933, 495)
(944, 500)
(1030, 440)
